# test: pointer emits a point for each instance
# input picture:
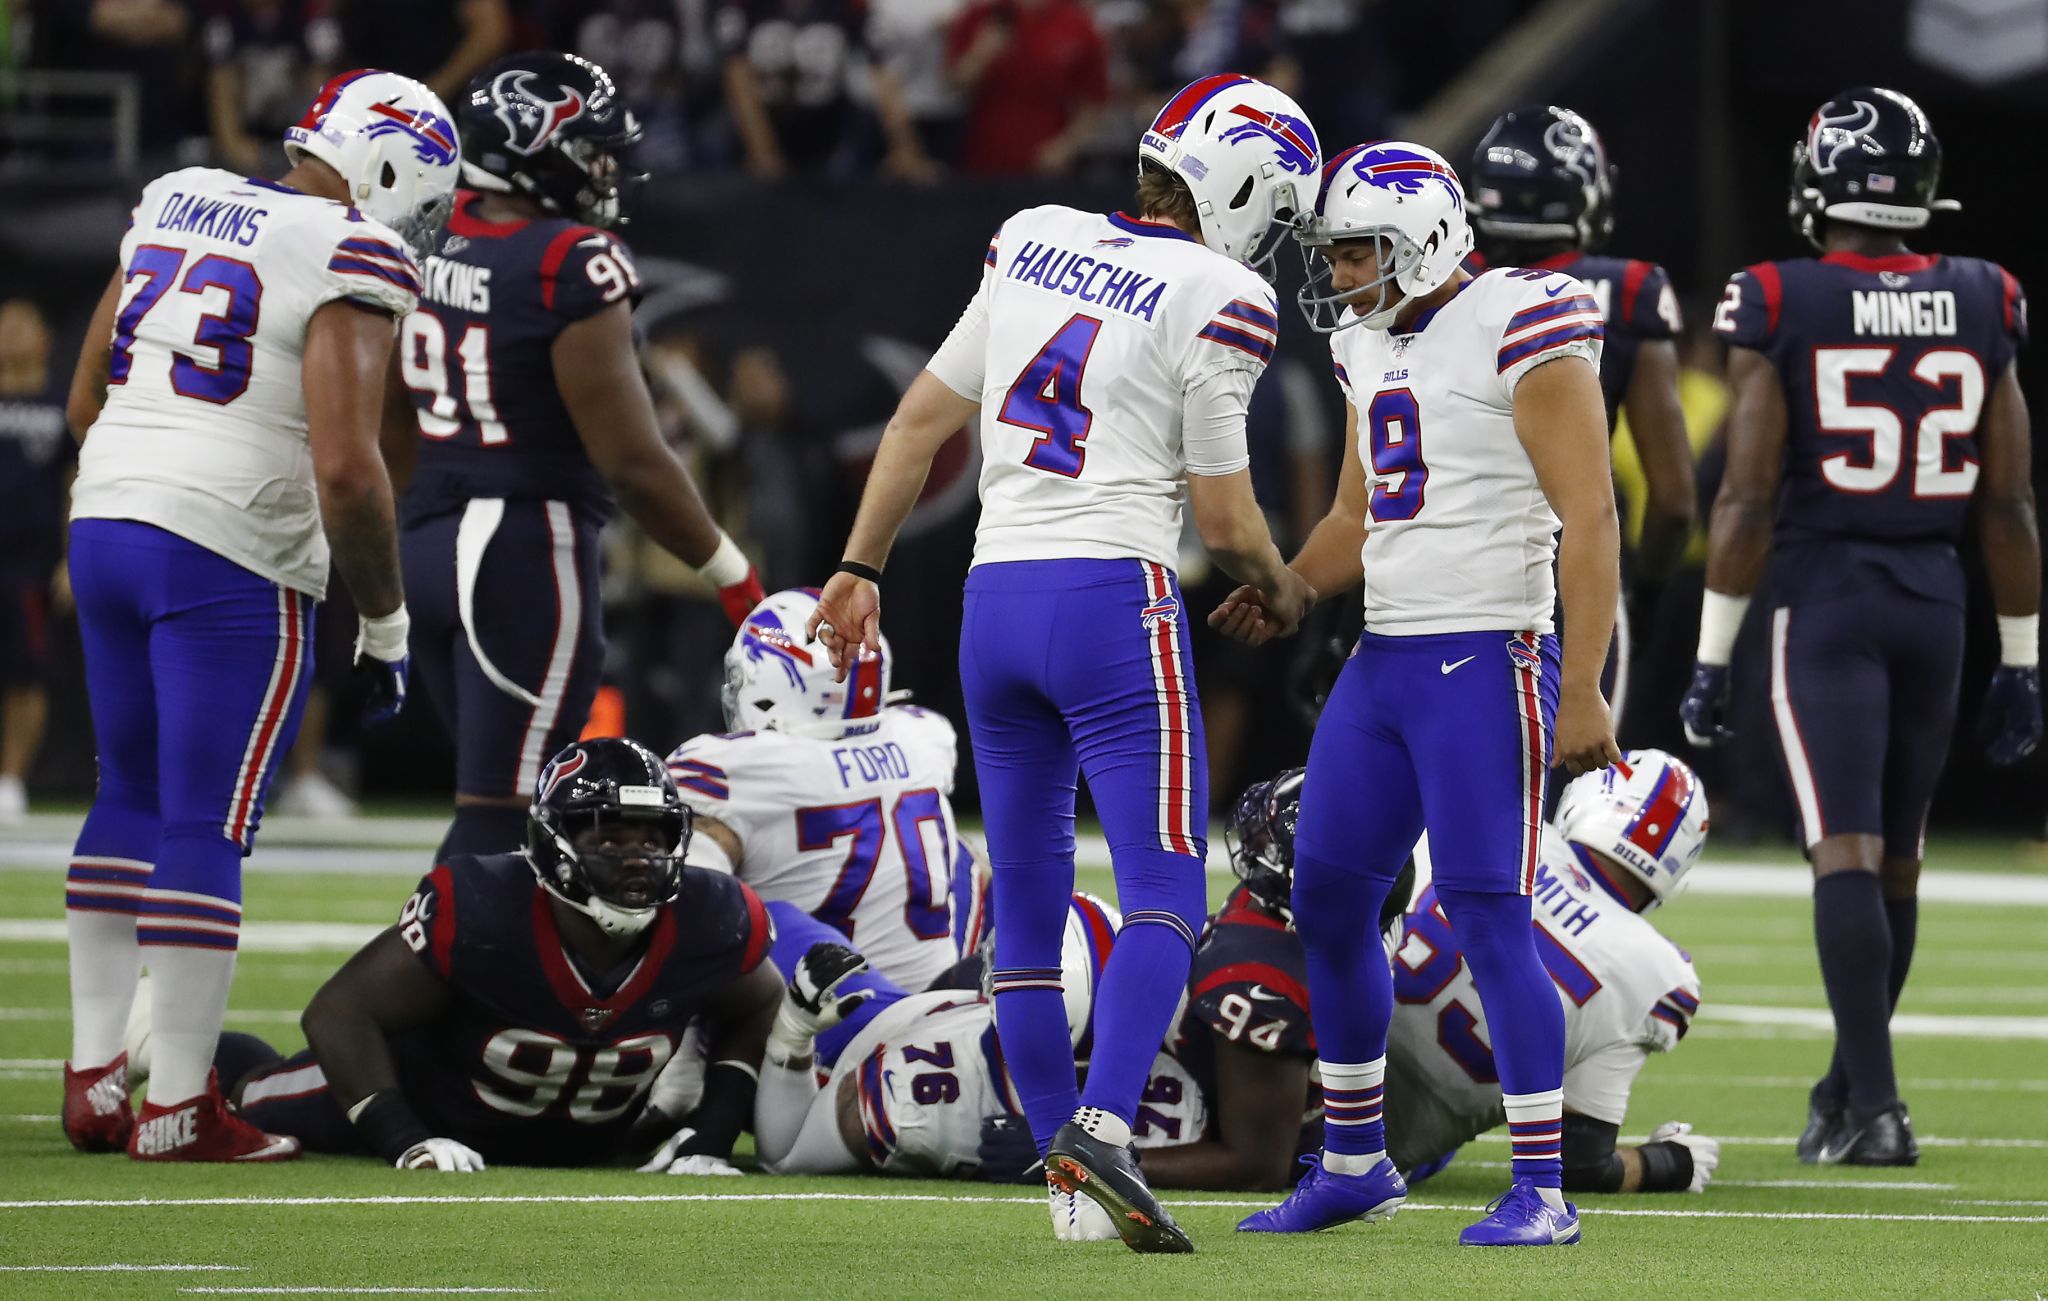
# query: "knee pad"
(1154, 887)
(198, 858)
(1333, 904)
(1031, 899)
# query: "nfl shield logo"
(594, 1018)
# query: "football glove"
(675, 1157)
(443, 1154)
(739, 599)
(1706, 1152)
(1705, 707)
(383, 665)
(1007, 1153)
(2010, 726)
(811, 1004)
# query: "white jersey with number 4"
(1459, 536)
(1087, 340)
(1627, 992)
(858, 832)
(204, 430)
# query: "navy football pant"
(1450, 733)
(292, 1098)
(1863, 689)
(197, 671)
(507, 634)
(1072, 667)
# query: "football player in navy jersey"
(528, 418)
(521, 1007)
(1876, 408)
(1542, 195)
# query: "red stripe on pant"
(1178, 779)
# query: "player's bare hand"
(848, 618)
(1242, 617)
(1583, 738)
(1290, 602)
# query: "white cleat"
(1076, 1218)
(135, 1039)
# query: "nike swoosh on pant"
(1448, 668)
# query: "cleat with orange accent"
(203, 1129)
(1080, 1163)
(97, 1117)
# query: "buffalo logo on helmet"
(1293, 139)
(1828, 136)
(766, 639)
(1406, 173)
(433, 136)
(530, 119)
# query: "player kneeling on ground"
(1624, 840)
(516, 1020)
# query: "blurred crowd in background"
(868, 147)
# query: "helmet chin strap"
(613, 919)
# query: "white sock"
(1536, 1135)
(1352, 1095)
(188, 1003)
(1104, 1126)
(104, 964)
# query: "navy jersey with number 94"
(1886, 364)
(478, 359)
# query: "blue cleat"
(1521, 1218)
(1430, 1169)
(1324, 1199)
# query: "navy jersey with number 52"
(478, 359)
(537, 1061)
(1886, 364)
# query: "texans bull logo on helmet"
(530, 120)
(1829, 136)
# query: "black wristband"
(725, 1109)
(859, 570)
(1667, 1167)
(389, 1125)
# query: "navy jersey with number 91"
(478, 359)
(1886, 364)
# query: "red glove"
(740, 598)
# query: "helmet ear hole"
(1243, 195)
(389, 178)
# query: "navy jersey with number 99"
(478, 359)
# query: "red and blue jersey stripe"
(703, 778)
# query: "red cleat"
(203, 1129)
(97, 1117)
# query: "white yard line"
(1805, 1082)
(1037, 1203)
(362, 1291)
(257, 936)
(1904, 1023)
(255, 1015)
(1751, 1140)
(122, 1269)
(1846, 1185)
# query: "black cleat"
(1824, 1117)
(1079, 1163)
(1883, 1136)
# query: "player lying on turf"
(1626, 992)
(523, 1004)
(825, 796)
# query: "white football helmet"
(1247, 153)
(394, 145)
(779, 680)
(1647, 813)
(1405, 197)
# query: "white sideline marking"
(262, 937)
(1916, 1023)
(122, 1269)
(1851, 1185)
(1037, 1203)
(1980, 1202)
(2009, 995)
(1805, 1082)
(1751, 1140)
(33, 1119)
(363, 1291)
(263, 1016)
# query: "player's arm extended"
(384, 990)
(597, 372)
(1329, 560)
(2005, 501)
(1739, 533)
(89, 379)
(1258, 1110)
(1594, 1164)
(348, 348)
(1561, 420)
(1656, 421)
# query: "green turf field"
(1970, 1221)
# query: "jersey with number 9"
(1886, 364)
(478, 360)
(1089, 341)
(537, 1061)
(204, 429)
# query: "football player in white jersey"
(232, 381)
(1480, 432)
(1112, 358)
(826, 796)
(1623, 842)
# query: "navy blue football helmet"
(622, 790)
(1540, 176)
(552, 127)
(1869, 157)
(1260, 836)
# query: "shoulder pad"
(584, 270)
(1248, 986)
